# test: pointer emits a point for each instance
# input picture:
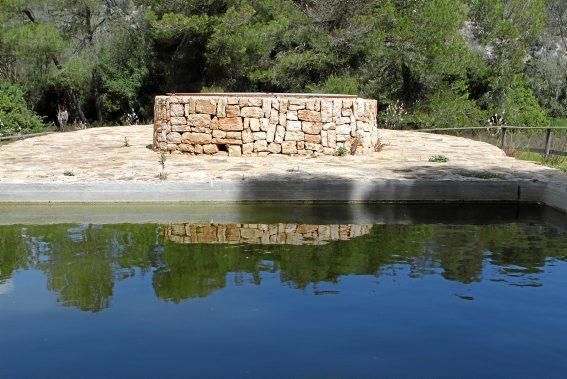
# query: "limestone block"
(259, 136)
(342, 137)
(337, 108)
(186, 148)
(360, 107)
(230, 124)
(324, 140)
(177, 110)
(181, 128)
(210, 149)
(293, 136)
(261, 146)
(203, 120)
(289, 147)
(274, 148)
(247, 148)
(300, 146)
(294, 126)
(201, 129)
(306, 115)
(215, 123)
(313, 105)
(313, 138)
(252, 112)
(190, 106)
(197, 138)
(247, 136)
(198, 149)
(297, 104)
(283, 119)
(332, 138)
(292, 116)
(344, 129)
(171, 147)
(326, 110)
(346, 112)
(274, 116)
(329, 151)
(311, 127)
(276, 104)
(254, 124)
(227, 141)
(221, 108)
(343, 120)
(264, 123)
(284, 105)
(313, 146)
(206, 106)
(162, 146)
(280, 134)
(234, 151)
(329, 126)
(250, 102)
(234, 135)
(271, 133)
(232, 111)
(178, 121)
(219, 134)
(267, 107)
(174, 137)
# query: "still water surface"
(284, 300)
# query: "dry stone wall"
(255, 124)
(265, 234)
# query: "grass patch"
(342, 151)
(480, 174)
(554, 161)
(68, 173)
(438, 159)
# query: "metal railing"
(504, 128)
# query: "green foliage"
(342, 151)
(521, 106)
(15, 115)
(438, 159)
(449, 62)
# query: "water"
(466, 298)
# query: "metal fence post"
(547, 144)
(503, 138)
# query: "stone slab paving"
(98, 155)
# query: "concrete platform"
(33, 170)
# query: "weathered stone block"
(230, 124)
(210, 149)
(232, 111)
(177, 110)
(312, 138)
(254, 124)
(293, 136)
(275, 148)
(250, 102)
(261, 146)
(196, 138)
(312, 127)
(207, 106)
(199, 120)
(307, 115)
(178, 121)
(247, 148)
(174, 137)
(289, 147)
(252, 112)
(234, 151)
(247, 136)
(258, 136)
(294, 126)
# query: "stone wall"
(265, 234)
(262, 124)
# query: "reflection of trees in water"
(82, 263)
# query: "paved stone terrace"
(98, 155)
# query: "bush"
(15, 116)
(448, 110)
(521, 106)
(343, 85)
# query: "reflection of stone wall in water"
(262, 124)
(288, 234)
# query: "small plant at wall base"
(342, 151)
(126, 143)
(68, 173)
(438, 159)
(162, 159)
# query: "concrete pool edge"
(289, 189)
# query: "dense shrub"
(15, 116)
